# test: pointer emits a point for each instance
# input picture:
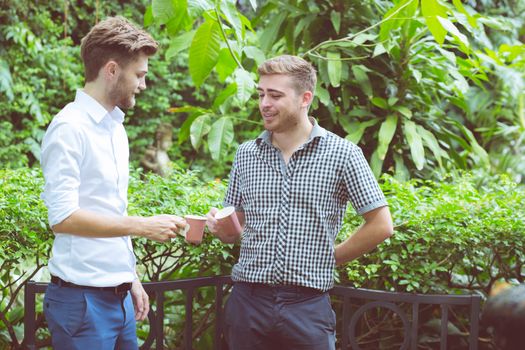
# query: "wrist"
(134, 225)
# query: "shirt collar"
(95, 110)
(317, 131)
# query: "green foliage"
(180, 194)
(399, 80)
(25, 244)
(458, 235)
(40, 70)
(26, 240)
(217, 37)
(28, 61)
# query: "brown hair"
(114, 38)
(303, 74)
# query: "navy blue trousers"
(261, 317)
(83, 319)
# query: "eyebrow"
(270, 90)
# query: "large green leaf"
(451, 28)
(396, 17)
(269, 35)
(184, 132)
(226, 64)
(220, 137)
(476, 148)
(199, 6)
(199, 128)
(224, 95)
(431, 10)
(180, 18)
(322, 94)
(432, 143)
(379, 102)
(459, 6)
(376, 164)
(415, 144)
(229, 11)
(360, 75)
(148, 16)
(335, 17)
(255, 54)
(163, 10)
(204, 51)
(401, 171)
(386, 133)
(193, 112)
(334, 67)
(303, 23)
(356, 130)
(179, 43)
(245, 85)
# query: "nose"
(264, 101)
(142, 84)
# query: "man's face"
(131, 80)
(279, 103)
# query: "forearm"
(90, 224)
(376, 229)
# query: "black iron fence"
(350, 314)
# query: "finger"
(139, 307)
(181, 223)
(146, 305)
(145, 302)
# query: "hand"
(140, 300)
(160, 227)
(211, 222)
(221, 231)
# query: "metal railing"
(371, 299)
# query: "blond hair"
(303, 74)
(114, 38)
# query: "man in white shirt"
(95, 295)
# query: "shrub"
(459, 235)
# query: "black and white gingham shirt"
(294, 211)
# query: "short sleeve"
(233, 193)
(363, 190)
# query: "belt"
(282, 287)
(120, 289)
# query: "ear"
(111, 70)
(308, 97)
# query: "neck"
(288, 141)
(99, 93)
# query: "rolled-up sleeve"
(61, 158)
(363, 189)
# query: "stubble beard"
(122, 98)
(283, 122)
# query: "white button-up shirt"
(85, 162)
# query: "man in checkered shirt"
(290, 188)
